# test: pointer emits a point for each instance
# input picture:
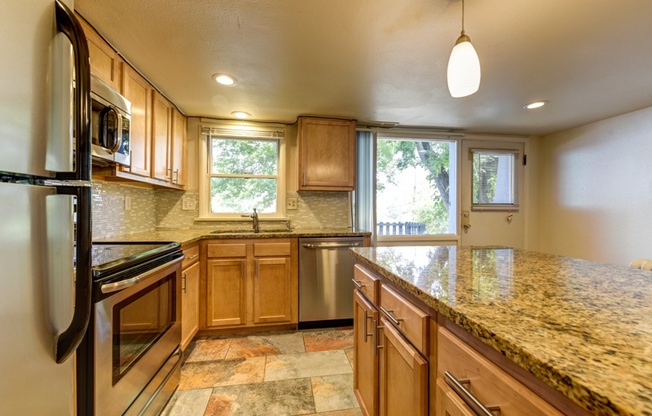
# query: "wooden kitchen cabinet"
(488, 383)
(391, 371)
(161, 137)
(189, 295)
(365, 354)
(327, 154)
(138, 91)
(105, 61)
(178, 149)
(251, 283)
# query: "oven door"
(137, 329)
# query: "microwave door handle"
(118, 132)
(68, 341)
(70, 26)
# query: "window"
(415, 185)
(243, 172)
(494, 179)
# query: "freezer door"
(36, 83)
(36, 229)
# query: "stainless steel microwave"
(110, 125)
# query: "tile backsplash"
(120, 209)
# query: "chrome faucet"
(254, 216)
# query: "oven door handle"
(123, 284)
(132, 281)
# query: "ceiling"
(385, 60)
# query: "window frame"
(515, 178)
(452, 236)
(240, 131)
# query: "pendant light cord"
(462, 17)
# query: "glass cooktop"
(108, 258)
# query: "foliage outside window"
(413, 187)
(243, 175)
(494, 178)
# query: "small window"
(494, 179)
(243, 175)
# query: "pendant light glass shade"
(463, 66)
(463, 69)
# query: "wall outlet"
(292, 203)
(187, 204)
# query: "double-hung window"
(243, 171)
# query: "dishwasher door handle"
(331, 245)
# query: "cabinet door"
(105, 62)
(326, 154)
(365, 354)
(138, 91)
(189, 304)
(272, 290)
(161, 137)
(403, 376)
(449, 403)
(226, 297)
(178, 148)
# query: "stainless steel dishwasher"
(325, 281)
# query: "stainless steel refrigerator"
(44, 184)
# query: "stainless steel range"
(130, 361)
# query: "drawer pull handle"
(395, 321)
(357, 284)
(468, 397)
(194, 256)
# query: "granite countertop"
(583, 328)
(189, 236)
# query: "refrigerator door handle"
(68, 341)
(68, 24)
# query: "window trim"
(455, 140)
(257, 131)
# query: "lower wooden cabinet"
(390, 374)
(190, 272)
(365, 354)
(250, 283)
(403, 376)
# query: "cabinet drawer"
(411, 320)
(214, 250)
(366, 283)
(191, 255)
(488, 383)
(272, 249)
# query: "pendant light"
(463, 66)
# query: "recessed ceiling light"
(535, 104)
(225, 79)
(240, 114)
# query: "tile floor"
(288, 373)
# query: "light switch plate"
(187, 204)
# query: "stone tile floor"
(287, 373)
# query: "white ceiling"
(385, 60)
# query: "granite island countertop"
(583, 328)
(189, 236)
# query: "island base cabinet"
(365, 354)
(403, 375)
(482, 379)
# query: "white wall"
(596, 190)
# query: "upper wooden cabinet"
(326, 154)
(105, 62)
(158, 128)
(138, 91)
